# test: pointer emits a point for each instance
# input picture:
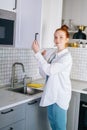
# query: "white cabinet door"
(7, 5)
(73, 112)
(28, 22)
(51, 20)
(20, 125)
(36, 116)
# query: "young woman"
(57, 91)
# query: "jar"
(81, 44)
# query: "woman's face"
(60, 38)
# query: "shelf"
(78, 40)
(71, 31)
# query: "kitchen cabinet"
(9, 5)
(20, 125)
(36, 116)
(12, 115)
(28, 22)
(42, 16)
(73, 112)
(51, 20)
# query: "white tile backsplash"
(10, 55)
(79, 68)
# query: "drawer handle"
(83, 105)
(11, 128)
(7, 111)
(31, 103)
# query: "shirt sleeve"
(42, 73)
(53, 68)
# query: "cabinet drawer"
(16, 126)
(11, 115)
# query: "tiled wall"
(79, 68)
(10, 55)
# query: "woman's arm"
(42, 72)
(53, 68)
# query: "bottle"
(71, 25)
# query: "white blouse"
(58, 86)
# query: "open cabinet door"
(51, 20)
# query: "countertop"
(10, 99)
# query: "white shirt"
(58, 87)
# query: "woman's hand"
(43, 53)
(35, 46)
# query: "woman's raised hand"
(35, 46)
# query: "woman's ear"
(67, 40)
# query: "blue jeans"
(57, 117)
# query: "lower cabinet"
(27, 116)
(20, 125)
(36, 116)
(73, 112)
(13, 118)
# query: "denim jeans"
(57, 117)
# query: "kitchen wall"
(79, 68)
(10, 55)
(75, 10)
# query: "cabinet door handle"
(83, 105)
(11, 128)
(15, 5)
(31, 103)
(36, 36)
(7, 111)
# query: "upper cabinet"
(37, 16)
(51, 20)
(28, 22)
(9, 5)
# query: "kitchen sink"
(21, 90)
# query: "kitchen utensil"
(30, 90)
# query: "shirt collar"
(62, 52)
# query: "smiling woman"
(57, 92)
(62, 33)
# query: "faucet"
(13, 80)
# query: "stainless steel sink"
(21, 90)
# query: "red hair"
(64, 28)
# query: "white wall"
(75, 10)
